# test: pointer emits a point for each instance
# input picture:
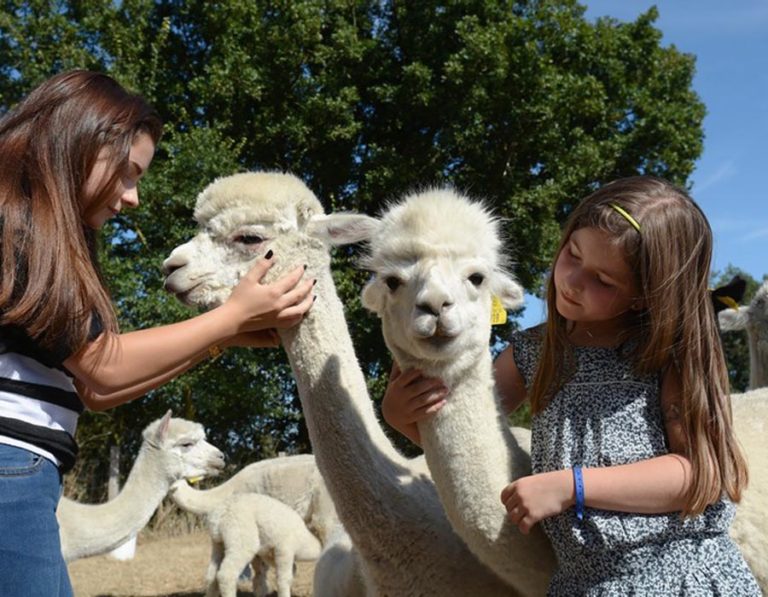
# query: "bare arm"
(654, 486)
(509, 382)
(114, 369)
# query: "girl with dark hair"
(635, 464)
(71, 157)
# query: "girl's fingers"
(298, 294)
(260, 269)
(408, 376)
(525, 525)
(427, 398)
(289, 280)
(426, 385)
(435, 407)
(296, 311)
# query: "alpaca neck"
(390, 511)
(196, 501)
(472, 456)
(758, 358)
(342, 423)
(88, 529)
(144, 489)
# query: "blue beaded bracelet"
(578, 485)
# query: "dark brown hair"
(49, 143)
(671, 257)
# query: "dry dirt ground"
(167, 567)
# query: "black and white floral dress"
(604, 416)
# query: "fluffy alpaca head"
(437, 262)
(182, 447)
(240, 218)
(753, 317)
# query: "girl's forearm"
(99, 402)
(124, 363)
(653, 486)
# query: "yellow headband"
(625, 213)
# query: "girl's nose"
(574, 279)
(130, 197)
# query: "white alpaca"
(172, 449)
(339, 571)
(433, 283)
(754, 319)
(249, 528)
(750, 527)
(293, 480)
(387, 504)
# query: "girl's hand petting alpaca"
(531, 499)
(411, 397)
(281, 304)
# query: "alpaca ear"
(731, 320)
(371, 297)
(510, 293)
(162, 428)
(342, 228)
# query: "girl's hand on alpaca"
(411, 397)
(531, 499)
(259, 339)
(281, 304)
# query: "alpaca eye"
(249, 239)
(392, 282)
(186, 445)
(477, 279)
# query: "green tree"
(525, 104)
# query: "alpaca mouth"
(438, 340)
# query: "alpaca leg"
(231, 566)
(284, 561)
(259, 580)
(211, 585)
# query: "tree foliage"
(525, 104)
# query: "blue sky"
(730, 42)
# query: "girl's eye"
(604, 283)
(248, 239)
(477, 279)
(392, 282)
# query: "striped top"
(39, 405)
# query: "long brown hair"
(671, 256)
(51, 281)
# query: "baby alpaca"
(250, 527)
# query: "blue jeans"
(31, 564)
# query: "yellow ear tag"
(193, 480)
(728, 302)
(498, 312)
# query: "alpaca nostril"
(427, 308)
